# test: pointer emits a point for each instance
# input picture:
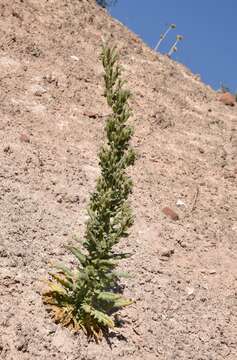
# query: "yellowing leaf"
(56, 288)
(122, 302)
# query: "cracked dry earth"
(52, 113)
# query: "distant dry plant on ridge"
(174, 46)
(106, 3)
(86, 296)
(163, 36)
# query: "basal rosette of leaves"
(85, 297)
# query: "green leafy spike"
(84, 298)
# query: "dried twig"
(193, 207)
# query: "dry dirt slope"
(51, 126)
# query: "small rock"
(190, 293)
(227, 99)
(22, 344)
(91, 115)
(59, 198)
(183, 244)
(24, 138)
(170, 213)
(189, 290)
(51, 78)
(212, 272)
(7, 149)
(73, 199)
(205, 286)
(73, 57)
(197, 77)
(167, 252)
(3, 252)
(38, 90)
(180, 203)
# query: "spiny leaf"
(122, 274)
(56, 288)
(108, 296)
(79, 255)
(103, 318)
(116, 299)
(86, 308)
(66, 271)
(105, 262)
(66, 284)
(121, 302)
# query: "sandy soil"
(52, 113)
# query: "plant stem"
(162, 38)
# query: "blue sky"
(209, 28)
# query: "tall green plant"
(84, 298)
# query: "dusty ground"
(52, 117)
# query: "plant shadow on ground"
(118, 321)
(110, 335)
